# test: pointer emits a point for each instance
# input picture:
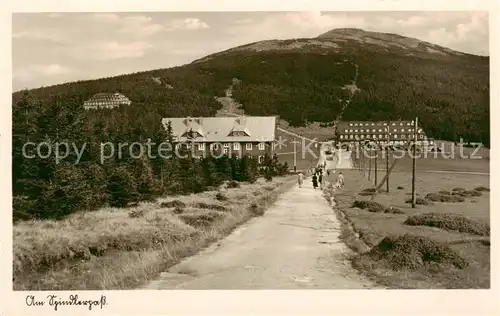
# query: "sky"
(52, 48)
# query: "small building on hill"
(106, 101)
(383, 132)
(240, 136)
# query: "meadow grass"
(444, 244)
(115, 249)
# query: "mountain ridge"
(310, 79)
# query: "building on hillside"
(106, 101)
(240, 136)
(397, 132)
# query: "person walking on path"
(300, 179)
(315, 181)
(320, 179)
(340, 180)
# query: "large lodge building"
(106, 101)
(240, 136)
(383, 132)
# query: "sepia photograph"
(249, 150)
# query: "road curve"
(294, 245)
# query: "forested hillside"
(384, 77)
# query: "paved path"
(295, 245)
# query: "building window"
(380, 136)
(396, 136)
(362, 130)
(403, 136)
(350, 130)
(360, 124)
(351, 136)
(249, 146)
(355, 130)
(385, 124)
(236, 146)
(226, 151)
(261, 159)
(350, 124)
(226, 145)
(373, 130)
(262, 146)
(345, 131)
(400, 124)
(379, 130)
(393, 124)
(215, 146)
(362, 136)
(201, 146)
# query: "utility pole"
(370, 165)
(415, 135)
(294, 155)
(387, 158)
(376, 158)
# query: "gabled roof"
(218, 129)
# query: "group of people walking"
(318, 179)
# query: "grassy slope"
(112, 249)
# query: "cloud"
(105, 17)
(103, 50)
(188, 24)
(49, 70)
(135, 25)
(46, 34)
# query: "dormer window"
(238, 133)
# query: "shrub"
(136, 213)
(256, 210)
(233, 184)
(200, 220)
(173, 203)
(370, 206)
(467, 193)
(451, 222)
(419, 201)
(220, 196)
(206, 206)
(411, 252)
(393, 210)
(482, 189)
(178, 210)
(435, 197)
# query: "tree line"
(45, 189)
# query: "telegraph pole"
(370, 165)
(415, 127)
(294, 155)
(376, 158)
(387, 158)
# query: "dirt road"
(295, 245)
